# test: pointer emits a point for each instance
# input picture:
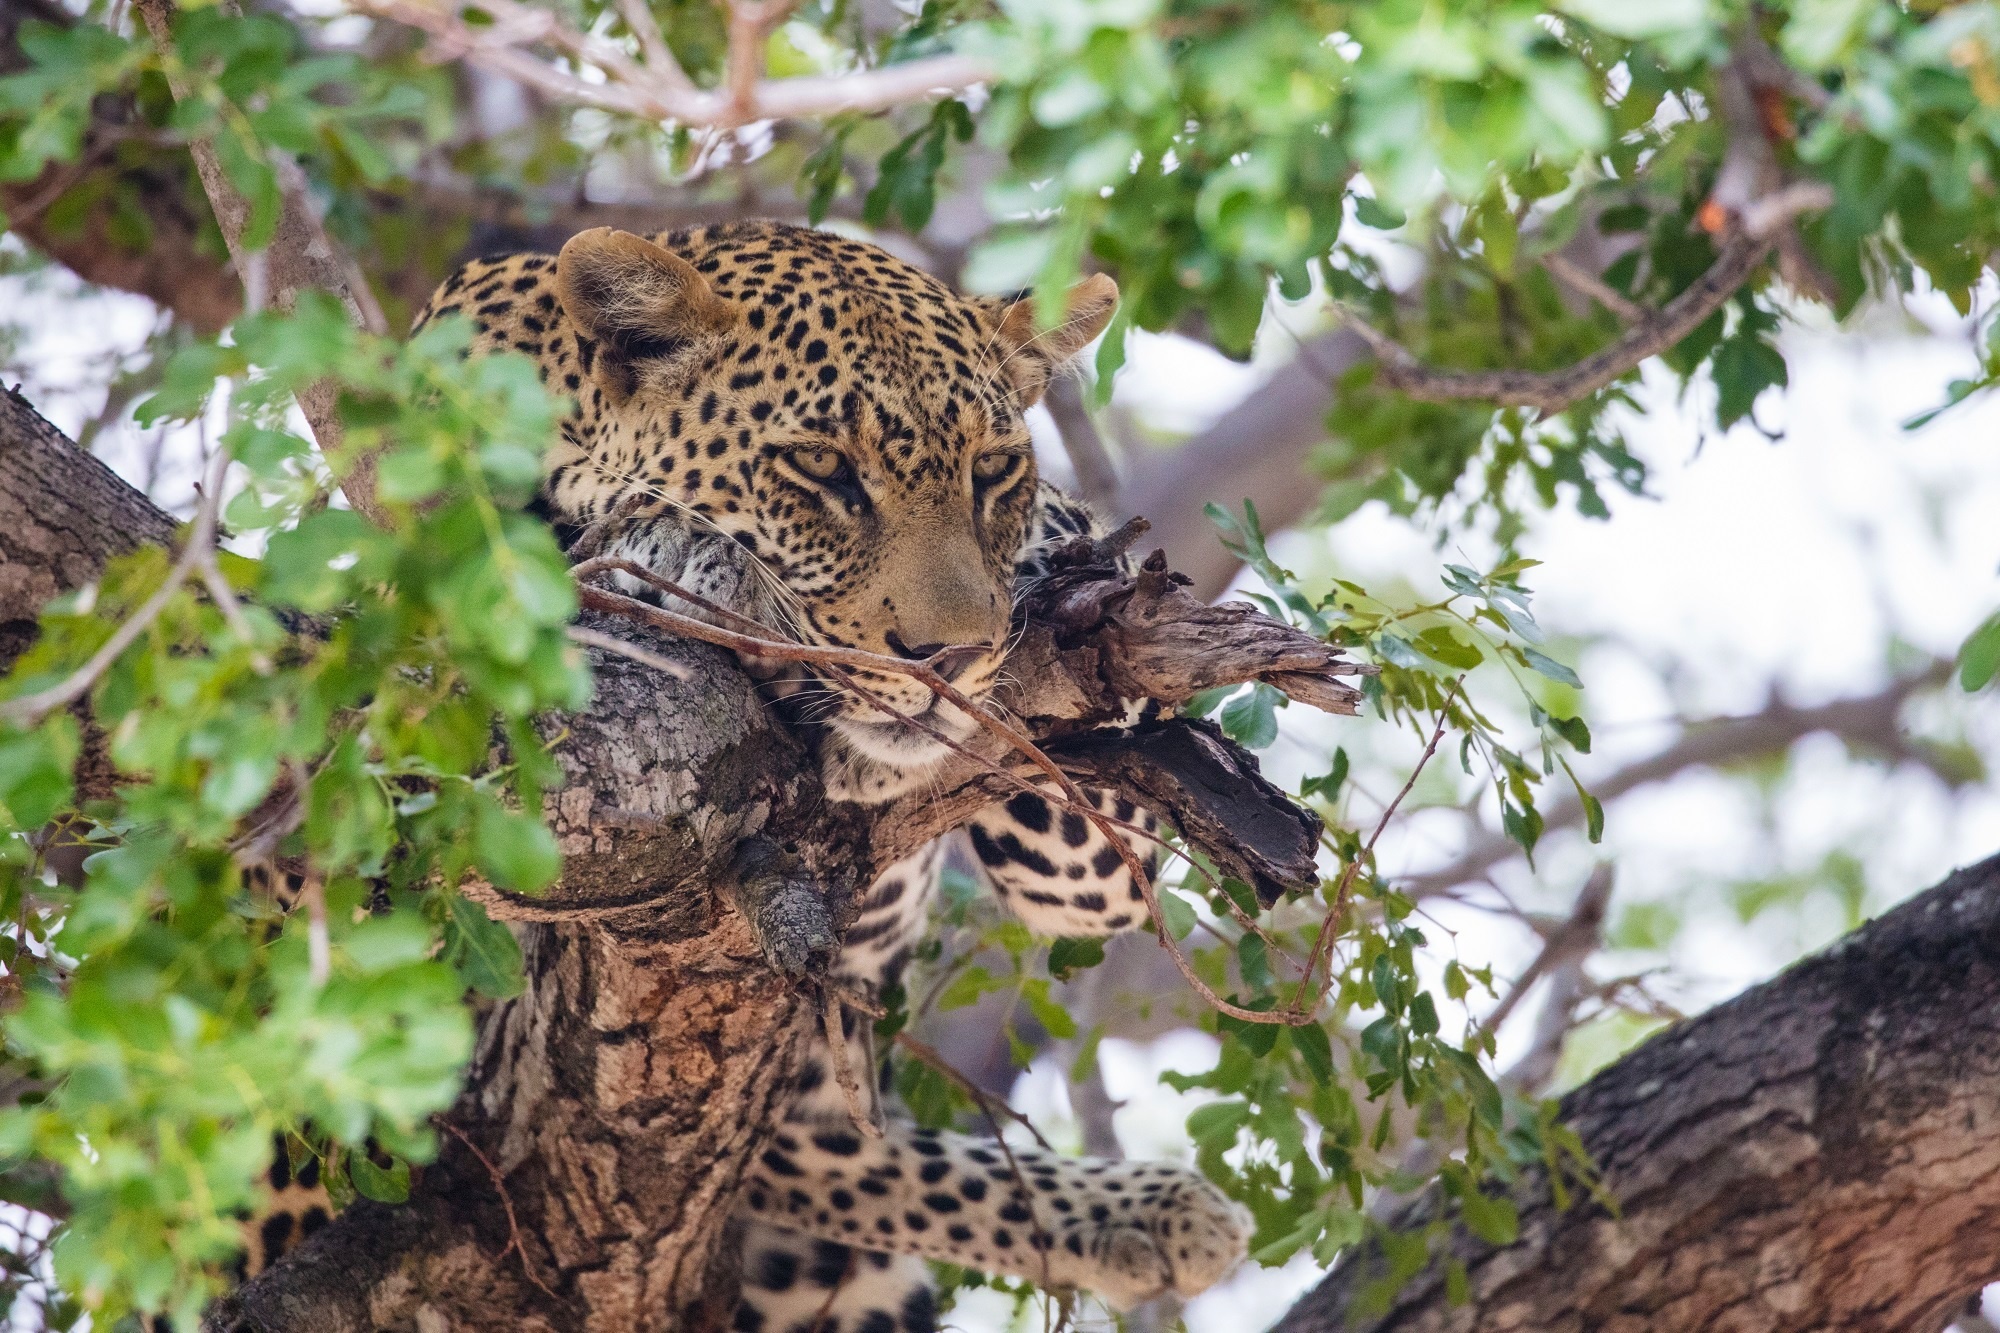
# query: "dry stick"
(664, 93)
(1597, 289)
(660, 62)
(750, 26)
(987, 1102)
(843, 1070)
(590, 638)
(506, 1202)
(599, 599)
(1580, 929)
(1323, 947)
(29, 709)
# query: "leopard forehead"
(831, 342)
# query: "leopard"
(807, 432)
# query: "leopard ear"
(1034, 355)
(640, 301)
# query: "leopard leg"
(1056, 870)
(1128, 1231)
(793, 1283)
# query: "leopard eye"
(819, 464)
(992, 467)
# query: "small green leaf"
(373, 1182)
(1548, 666)
(484, 952)
(1979, 659)
(1068, 956)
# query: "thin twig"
(1329, 925)
(986, 1101)
(660, 62)
(29, 709)
(750, 26)
(1597, 289)
(1552, 391)
(1576, 936)
(590, 638)
(664, 93)
(506, 1202)
(843, 1067)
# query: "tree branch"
(1817, 1153)
(665, 93)
(299, 258)
(1869, 722)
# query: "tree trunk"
(1822, 1152)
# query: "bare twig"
(662, 92)
(1329, 929)
(1552, 391)
(506, 1202)
(301, 255)
(1096, 476)
(1870, 721)
(750, 25)
(1597, 289)
(843, 1067)
(590, 638)
(986, 1101)
(1576, 936)
(660, 62)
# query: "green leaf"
(1445, 646)
(1548, 666)
(1068, 956)
(1979, 659)
(373, 1182)
(514, 850)
(1176, 914)
(1492, 1219)
(1251, 718)
(484, 952)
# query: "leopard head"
(856, 426)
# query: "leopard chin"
(875, 759)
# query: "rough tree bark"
(1822, 1152)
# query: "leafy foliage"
(369, 739)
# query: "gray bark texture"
(1821, 1152)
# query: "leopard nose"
(952, 659)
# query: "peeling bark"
(1821, 1152)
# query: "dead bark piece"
(1144, 636)
(1818, 1153)
(1214, 795)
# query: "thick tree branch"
(1820, 1152)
